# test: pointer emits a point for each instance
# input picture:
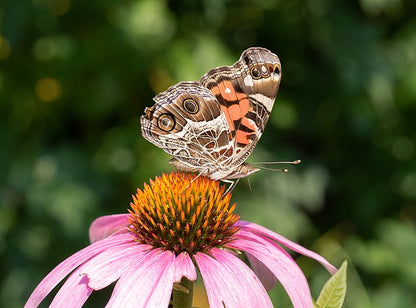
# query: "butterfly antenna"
(295, 162)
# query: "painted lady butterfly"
(213, 125)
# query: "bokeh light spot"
(381, 92)
(408, 185)
(5, 48)
(59, 7)
(45, 168)
(1, 80)
(375, 7)
(122, 159)
(147, 22)
(53, 47)
(403, 148)
(48, 89)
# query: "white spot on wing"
(248, 81)
(227, 90)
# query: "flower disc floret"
(184, 213)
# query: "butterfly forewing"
(246, 98)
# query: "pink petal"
(74, 293)
(230, 282)
(280, 264)
(108, 266)
(105, 226)
(147, 282)
(68, 265)
(267, 278)
(184, 267)
(217, 289)
(252, 227)
(161, 294)
(249, 280)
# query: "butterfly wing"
(246, 92)
(186, 122)
(213, 126)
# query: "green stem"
(183, 294)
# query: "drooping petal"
(147, 282)
(252, 227)
(267, 278)
(217, 289)
(97, 273)
(104, 226)
(109, 265)
(74, 292)
(249, 281)
(280, 264)
(230, 282)
(68, 265)
(184, 267)
(162, 291)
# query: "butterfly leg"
(230, 188)
(191, 182)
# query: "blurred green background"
(76, 75)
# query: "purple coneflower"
(177, 225)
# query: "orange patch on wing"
(243, 137)
(236, 111)
(226, 89)
(227, 116)
(248, 124)
(244, 105)
(239, 110)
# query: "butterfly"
(212, 126)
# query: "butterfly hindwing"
(196, 131)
